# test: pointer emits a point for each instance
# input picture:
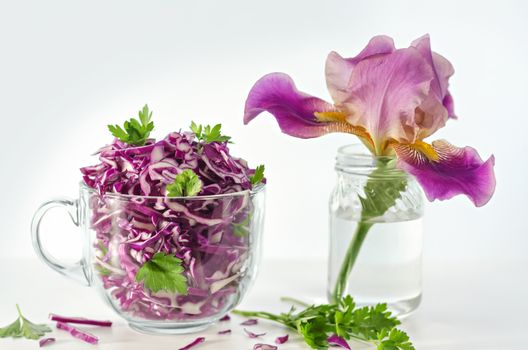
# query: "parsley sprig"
(258, 176)
(136, 132)
(373, 324)
(208, 134)
(241, 229)
(163, 272)
(185, 184)
(22, 327)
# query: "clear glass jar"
(215, 239)
(375, 232)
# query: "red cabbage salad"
(172, 221)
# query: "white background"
(69, 68)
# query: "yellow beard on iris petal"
(337, 121)
(420, 151)
(333, 116)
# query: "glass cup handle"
(74, 271)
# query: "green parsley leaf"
(241, 229)
(196, 129)
(382, 191)
(103, 271)
(102, 248)
(208, 134)
(135, 132)
(23, 328)
(186, 184)
(314, 331)
(163, 272)
(12, 330)
(258, 176)
(373, 324)
(395, 340)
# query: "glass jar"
(376, 232)
(164, 264)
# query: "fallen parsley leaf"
(23, 328)
(258, 176)
(163, 272)
(135, 132)
(12, 330)
(186, 184)
(316, 323)
(208, 134)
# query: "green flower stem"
(383, 187)
(294, 301)
(18, 309)
(264, 315)
(350, 258)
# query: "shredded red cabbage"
(337, 340)
(253, 335)
(46, 341)
(146, 170)
(250, 322)
(282, 340)
(225, 318)
(226, 331)
(193, 343)
(77, 333)
(264, 347)
(80, 320)
(209, 235)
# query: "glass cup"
(211, 243)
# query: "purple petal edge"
(443, 70)
(294, 110)
(193, 343)
(458, 171)
(337, 340)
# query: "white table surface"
(480, 305)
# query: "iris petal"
(449, 105)
(384, 92)
(457, 171)
(338, 69)
(294, 110)
(442, 68)
(437, 108)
